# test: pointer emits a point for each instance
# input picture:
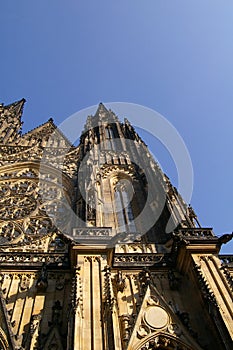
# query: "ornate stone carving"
(206, 290)
(174, 281)
(163, 342)
(34, 325)
(108, 294)
(145, 279)
(228, 276)
(93, 231)
(120, 281)
(42, 282)
(144, 313)
(77, 293)
(143, 259)
(194, 232)
(125, 327)
(34, 258)
(24, 282)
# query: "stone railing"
(140, 259)
(196, 232)
(226, 259)
(33, 259)
(92, 232)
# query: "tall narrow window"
(109, 138)
(124, 211)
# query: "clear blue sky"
(174, 56)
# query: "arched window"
(109, 138)
(123, 205)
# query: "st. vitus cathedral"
(98, 251)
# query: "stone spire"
(10, 121)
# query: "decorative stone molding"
(140, 260)
(92, 232)
(195, 232)
(120, 282)
(108, 293)
(207, 293)
(34, 259)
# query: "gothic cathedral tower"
(98, 251)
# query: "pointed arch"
(123, 197)
(109, 138)
(162, 341)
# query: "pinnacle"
(18, 104)
(15, 108)
(101, 109)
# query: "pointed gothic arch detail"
(109, 138)
(123, 198)
(162, 341)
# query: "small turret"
(10, 122)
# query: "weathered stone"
(97, 281)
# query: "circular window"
(156, 317)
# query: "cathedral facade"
(98, 250)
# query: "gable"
(157, 325)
